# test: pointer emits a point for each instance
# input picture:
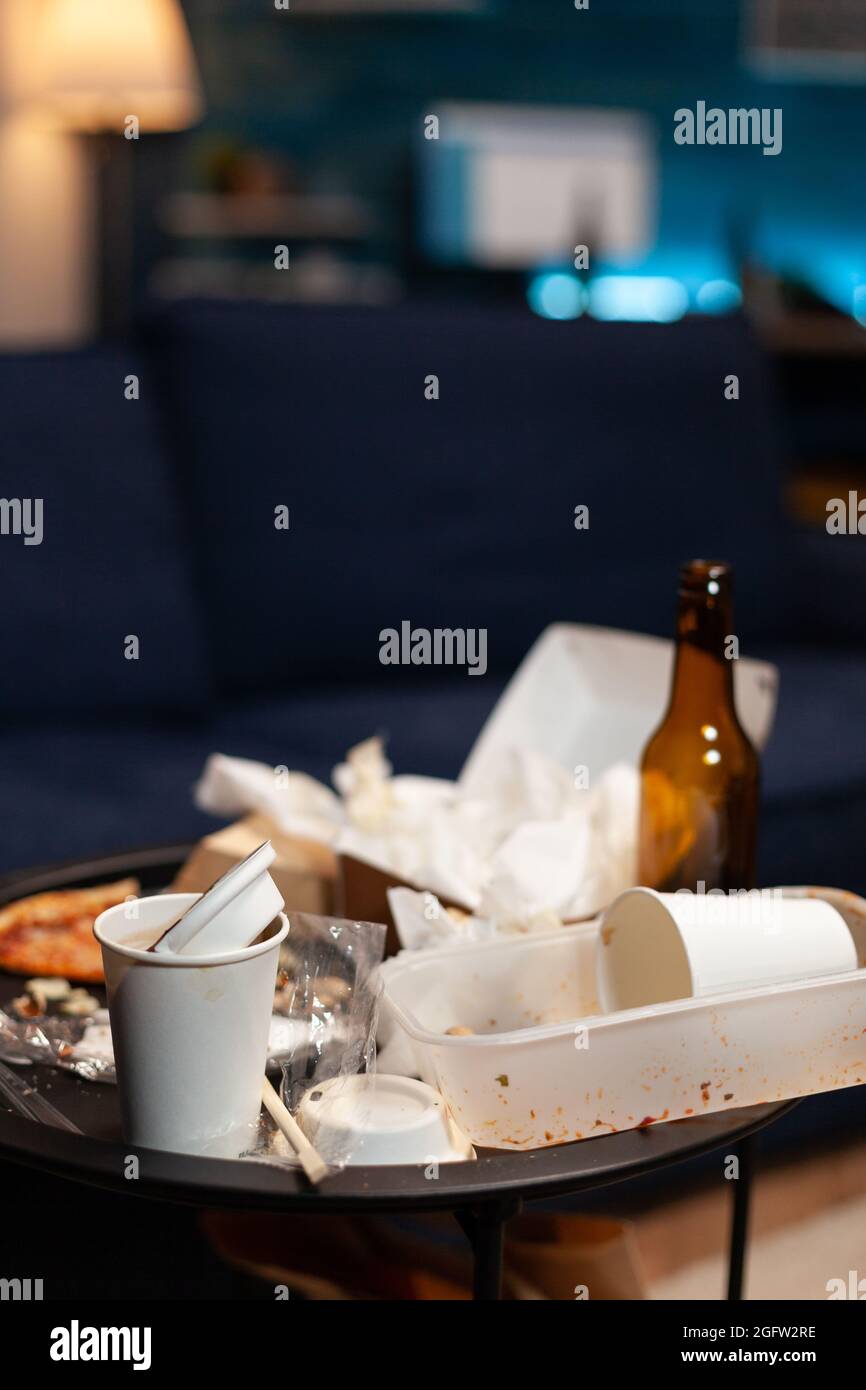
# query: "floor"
(808, 1228)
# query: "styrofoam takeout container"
(543, 1066)
(190, 1032)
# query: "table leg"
(742, 1185)
(485, 1230)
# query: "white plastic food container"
(543, 1066)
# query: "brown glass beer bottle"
(699, 772)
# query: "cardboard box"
(362, 896)
(304, 870)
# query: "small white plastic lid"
(231, 914)
(381, 1120)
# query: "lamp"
(103, 60)
(100, 63)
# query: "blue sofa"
(159, 524)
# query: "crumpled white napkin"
(531, 848)
(298, 804)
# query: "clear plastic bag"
(81, 1045)
(331, 986)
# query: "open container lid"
(230, 914)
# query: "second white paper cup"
(656, 947)
(190, 1033)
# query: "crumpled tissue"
(528, 850)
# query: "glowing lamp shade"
(103, 60)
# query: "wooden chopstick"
(311, 1161)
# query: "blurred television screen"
(508, 187)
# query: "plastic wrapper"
(81, 1045)
(331, 986)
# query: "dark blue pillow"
(459, 512)
(111, 564)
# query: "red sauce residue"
(690, 1111)
(653, 1119)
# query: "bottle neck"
(703, 673)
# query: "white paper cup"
(190, 1032)
(655, 947)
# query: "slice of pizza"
(52, 933)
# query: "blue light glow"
(556, 295)
(638, 298)
(718, 297)
(858, 303)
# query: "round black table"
(482, 1195)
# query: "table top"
(99, 1156)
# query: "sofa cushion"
(110, 563)
(830, 574)
(75, 789)
(459, 512)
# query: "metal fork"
(28, 1102)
